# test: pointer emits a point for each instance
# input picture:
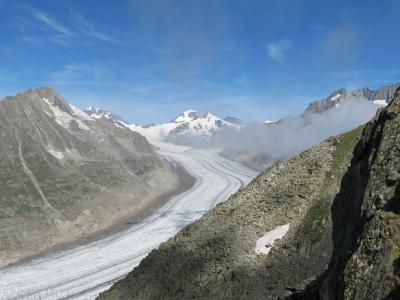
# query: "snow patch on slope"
(63, 118)
(380, 102)
(265, 243)
(333, 98)
(55, 153)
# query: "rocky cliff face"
(64, 175)
(216, 257)
(366, 224)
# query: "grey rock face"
(64, 175)
(330, 101)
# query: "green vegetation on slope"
(319, 213)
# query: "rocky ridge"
(381, 96)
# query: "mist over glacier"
(259, 144)
(291, 136)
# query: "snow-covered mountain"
(190, 123)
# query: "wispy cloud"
(85, 27)
(62, 30)
(277, 50)
(52, 23)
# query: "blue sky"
(149, 60)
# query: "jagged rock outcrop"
(366, 223)
(64, 175)
(215, 257)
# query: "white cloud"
(276, 51)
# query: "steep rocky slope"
(64, 175)
(366, 222)
(216, 258)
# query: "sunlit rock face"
(59, 170)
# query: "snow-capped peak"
(191, 122)
(187, 116)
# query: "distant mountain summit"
(99, 113)
(194, 123)
(187, 116)
(381, 96)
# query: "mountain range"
(189, 123)
(381, 96)
(193, 123)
